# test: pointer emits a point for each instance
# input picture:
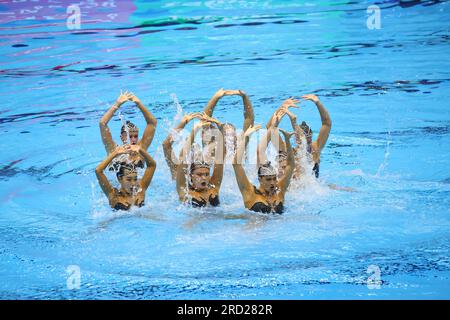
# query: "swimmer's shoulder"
(252, 197)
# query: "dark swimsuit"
(116, 165)
(265, 208)
(213, 202)
(316, 169)
(316, 164)
(121, 206)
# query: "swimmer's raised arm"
(209, 109)
(249, 115)
(183, 166)
(278, 115)
(150, 169)
(286, 179)
(182, 170)
(261, 156)
(241, 177)
(273, 123)
(299, 134)
(150, 129)
(169, 155)
(325, 118)
(216, 178)
(107, 139)
(102, 179)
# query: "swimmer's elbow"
(327, 122)
(166, 144)
(98, 170)
(102, 124)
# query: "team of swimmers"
(191, 169)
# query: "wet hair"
(131, 127)
(282, 155)
(266, 170)
(198, 165)
(306, 129)
(122, 167)
(123, 159)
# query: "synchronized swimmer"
(191, 169)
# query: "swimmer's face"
(129, 182)
(200, 178)
(282, 164)
(134, 135)
(269, 183)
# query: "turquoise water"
(387, 91)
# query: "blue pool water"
(387, 91)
